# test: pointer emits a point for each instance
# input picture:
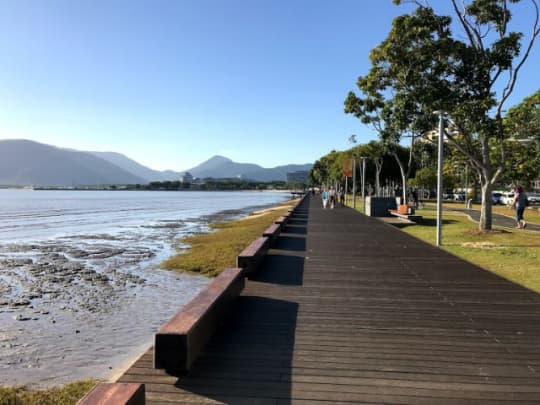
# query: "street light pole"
(364, 183)
(466, 186)
(354, 183)
(440, 178)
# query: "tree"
(327, 169)
(391, 118)
(376, 151)
(425, 177)
(470, 75)
(522, 123)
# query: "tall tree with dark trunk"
(422, 67)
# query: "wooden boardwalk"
(347, 309)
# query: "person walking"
(332, 198)
(324, 196)
(342, 197)
(519, 203)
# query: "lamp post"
(354, 183)
(467, 186)
(440, 177)
(363, 183)
(352, 139)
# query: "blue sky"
(171, 83)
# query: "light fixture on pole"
(354, 183)
(363, 183)
(440, 177)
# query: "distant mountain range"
(222, 167)
(24, 162)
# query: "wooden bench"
(114, 394)
(272, 233)
(180, 340)
(252, 256)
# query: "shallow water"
(81, 294)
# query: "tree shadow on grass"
(425, 222)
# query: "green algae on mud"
(67, 394)
(209, 254)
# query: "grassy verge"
(68, 394)
(511, 253)
(211, 253)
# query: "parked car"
(534, 198)
(507, 198)
(459, 196)
(496, 198)
(448, 195)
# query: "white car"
(507, 198)
(534, 198)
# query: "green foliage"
(329, 168)
(425, 177)
(210, 184)
(422, 66)
(68, 394)
(522, 123)
(211, 253)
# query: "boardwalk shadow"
(291, 243)
(281, 269)
(284, 264)
(249, 359)
(296, 229)
(297, 221)
(425, 222)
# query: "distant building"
(300, 176)
(186, 178)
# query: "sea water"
(81, 291)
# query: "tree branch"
(514, 73)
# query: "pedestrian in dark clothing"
(519, 203)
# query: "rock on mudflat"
(20, 317)
(20, 303)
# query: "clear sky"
(171, 83)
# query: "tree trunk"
(403, 177)
(486, 184)
(378, 169)
(485, 210)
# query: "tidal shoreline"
(61, 295)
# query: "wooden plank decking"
(348, 309)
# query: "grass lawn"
(69, 394)
(211, 253)
(511, 253)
